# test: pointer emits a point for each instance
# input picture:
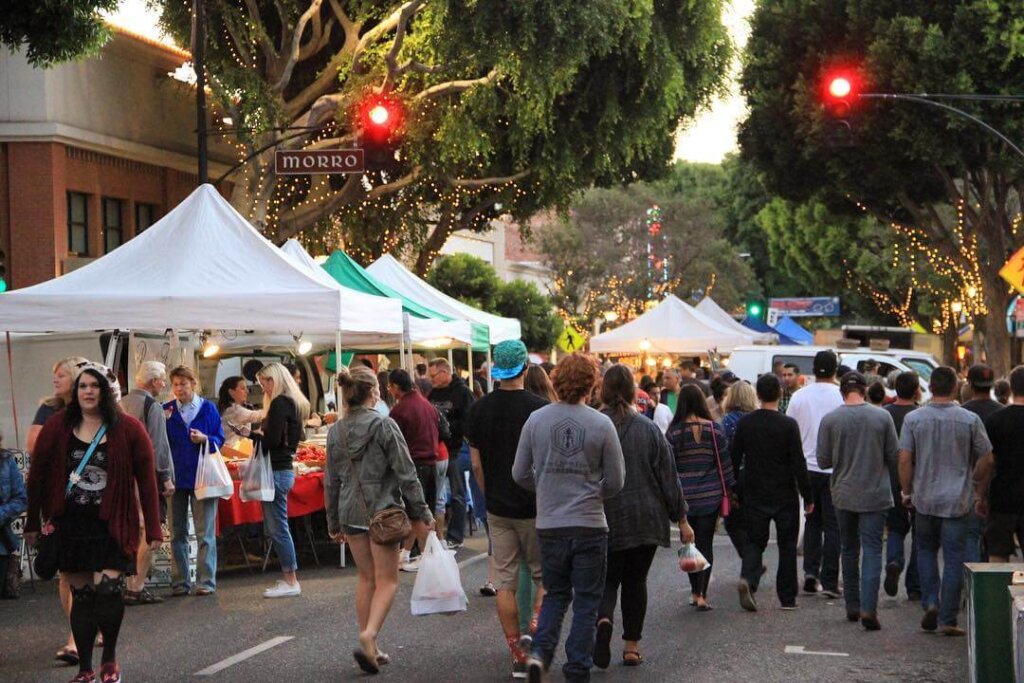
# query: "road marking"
(800, 650)
(472, 560)
(244, 655)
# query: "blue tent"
(794, 330)
(761, 326)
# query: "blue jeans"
(204, 516)
(973, 550)
(573, 571)
(456, 523)
(275, 520)
(861, 574)
(949, 533)
(900, 522)
(821, 534)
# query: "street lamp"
(611, 316)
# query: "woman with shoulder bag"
(638, 516)
(88, 462)
(704, 468)
(369, 470)
(13, 501)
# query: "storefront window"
(145, 216)
(78, 223)
(113, 233)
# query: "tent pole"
(338, 403)
(469, 355)
(401, 352)
(14, 405)
(490, 380)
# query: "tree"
(467, 278)
(54, 31)
(525, 302)
(941, 183)
(510, 107)
(599, 252)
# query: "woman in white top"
(235, 418)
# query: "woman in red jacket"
(87, 462)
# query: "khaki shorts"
(513, 540)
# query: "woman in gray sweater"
(638, 517)
(369, 469)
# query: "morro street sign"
(319, 161)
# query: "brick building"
(91, 153)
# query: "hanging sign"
(319, 161)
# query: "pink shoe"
(110, 673)
(84, 677)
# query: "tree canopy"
(54, 31)
(509, 106)
(948, 190)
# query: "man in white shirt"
(821, 532)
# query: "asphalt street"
(237, 636)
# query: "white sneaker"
(283, 590)
(403, 557)
(411, 566)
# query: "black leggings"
(704, 536)
(628, 568)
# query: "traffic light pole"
(199, 66)
(932, 101)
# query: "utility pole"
(199, 66)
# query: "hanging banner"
(807, 307)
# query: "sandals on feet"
(488, 590)
(68, 655)
(365, 663)
(632, 658)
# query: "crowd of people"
(578, 472)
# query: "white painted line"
(244, 655)
(472, 560)
(800, 650)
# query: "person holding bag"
(369, 470)
(192, 424)
(287, 411)
(704, 468)
(13, 501)
(89, 460)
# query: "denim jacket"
(13, 499)
(369, 469)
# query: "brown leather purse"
(388, 526)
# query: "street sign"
(570, 340)
(807, 307)
(319, 161)
(1013, 271)
(773, 317)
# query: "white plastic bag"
(692, 560)
(257, 479)
(212, 477)
(438, 587)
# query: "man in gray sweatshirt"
(858, 441)
(570, 455)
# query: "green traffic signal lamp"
(3, 285)
(755, 309)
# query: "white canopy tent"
(202, 266)
(711, 309)
(673, 326)
(391, 272)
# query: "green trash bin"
(990, 648)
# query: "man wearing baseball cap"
(981, 378)
(493, 426)
(809, 407)
(858, 442)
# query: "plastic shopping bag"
(257, 479)
(212, 477)
(438, 587)
(692, 560)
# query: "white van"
(750, 362)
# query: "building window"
(145, 216)
(113, 234)
(78, 223)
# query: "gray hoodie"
(571, 456)
(367, 455)
(859, 444)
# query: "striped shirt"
(697, 466)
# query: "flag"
(1013, 271)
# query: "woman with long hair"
(89, 460)
(638, 517)
(236, 414)
(538, 382)
(704, 468)
(287, 410)
(65, 372)
(369, 469)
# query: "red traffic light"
(840, 87)
(379, 115)
(380, 118)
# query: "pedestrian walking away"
(769, 457)
(570, 455)
(938, 444)
(638, 517)
(704, 468)
(858, 442)
(369, 470)
(740, 399)
(900, 520)
(808, 407)
(452, 398)
(89, 460)
(494, 425)
(980, 380)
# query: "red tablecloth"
(306, 497)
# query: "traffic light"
(380, 118)
(840, 93)
(756, 309)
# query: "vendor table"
(305, 498)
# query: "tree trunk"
(997, 336)
(949, 338)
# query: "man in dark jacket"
(452, 398)
(769, 457)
